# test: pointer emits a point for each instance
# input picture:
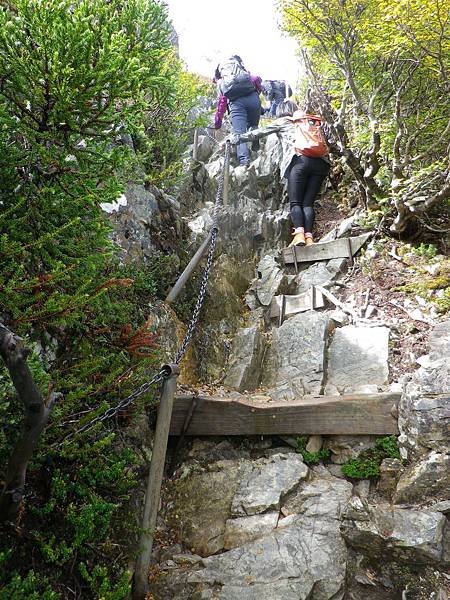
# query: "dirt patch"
(328, 214)
(394, 309)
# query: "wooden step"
(287, 305)
(340, 248)
(357, 414)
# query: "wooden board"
(297, 303)
(325, 251)
(359, 414)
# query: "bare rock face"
(271, 280)
(305, 557)
(390, 470)
(319, 273)
(428, 478)
(246, 529)
(358, 356)
(269, 480)
(324, 496)
(424, 410)
(399, 535)
(202, 505)
(144, 221)
(346, 447)
(295, 361)
(291, 564)
(205, 148)
(244, 365)
(266, 163)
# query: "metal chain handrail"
(212, 246)
(163, 373)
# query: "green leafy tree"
(378, 71)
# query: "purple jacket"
(222, 103)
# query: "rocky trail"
(248, 517)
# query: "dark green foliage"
(311, 458)
(75, 77)
(367, 465)
(167, 130)
(69, 68)
(30, 587)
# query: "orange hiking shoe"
(309, 240)
(298, 239)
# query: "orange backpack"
(309, 138)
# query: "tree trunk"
(36, 415)
(367, 185)
(405, 212)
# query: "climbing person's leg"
(238, 114)
(318, 170)
(276, 103)
(245, 112)
(272, 109)
(253, 106)
(297, 183)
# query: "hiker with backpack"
(304, 163)
(275, 91)
(239, 93)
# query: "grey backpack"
(235, 81)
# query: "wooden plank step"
(357, 414)
(341, 248)
(283, 306)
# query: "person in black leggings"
(306, 175)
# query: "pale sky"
(210, 30)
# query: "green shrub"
(29, 587)
(311, 458)
(77, 75)
(367, 464)
(426, 250)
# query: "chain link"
(164, 373)
(209, 260)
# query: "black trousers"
(304, 180)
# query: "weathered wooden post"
(155, 477)
(195, 149)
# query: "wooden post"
(155, 477)
(294, 253)
(181, 282)
(350, 253)
(194, 151)
(282, 310)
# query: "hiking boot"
(309, 241)
(298, 239)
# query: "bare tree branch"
(37, 411)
